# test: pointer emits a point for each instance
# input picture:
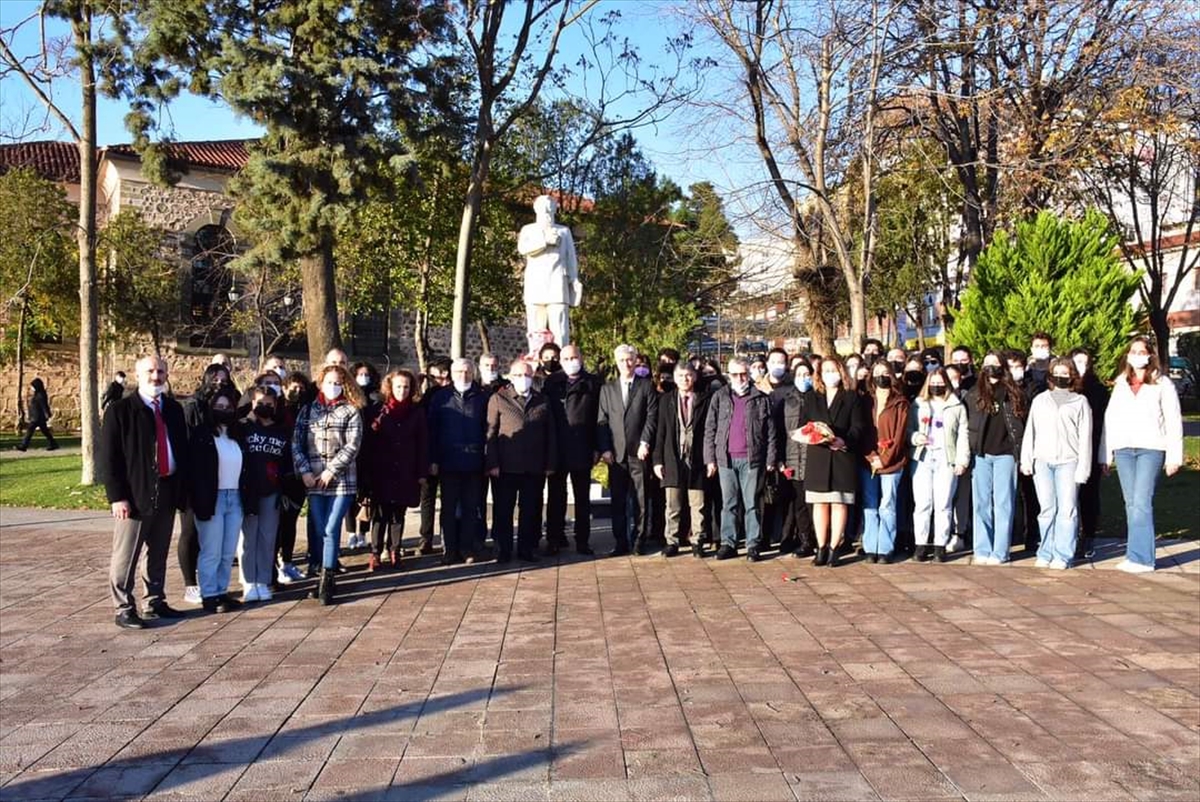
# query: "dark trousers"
(461, 497)
(353, 525)
(656, 509)
(429, 493)
(1031, 535)
(187, 548)
(712, 507)
(964, 512)
(772, 505)
(522, 491)
(1089, 509)
(44, 429)
(151, 532)
(387, 526)
(556, 506)
(627, 483)
(285, 538)
(905, 536)
(797, 524)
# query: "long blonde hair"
(350, 389)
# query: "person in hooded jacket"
(396, 462)
(937, 434)
(885, 459)
(37, 418)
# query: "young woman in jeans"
(217, 476)
(995, 428)
(937, 430)
(324, 446)
(1143, 434)
(1057, 452)
(268, 463)
(886, 458)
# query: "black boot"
(939, 554)
(326, 589)
(921, 554)
(822, 557)
(833, 556)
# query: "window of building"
(212, 249)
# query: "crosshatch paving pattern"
(622, 679)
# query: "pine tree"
(1063, 277)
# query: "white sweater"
(1151, 419)
(1059, 431)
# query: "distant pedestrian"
(115, 391)
(38, 416)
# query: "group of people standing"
(801, 452)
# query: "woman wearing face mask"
(914, 378)
(1089, 495)
(325, 445)
(886, 457)
(937, 432)
(397, 461)
(831, 475)
(38, 416)
(995, 428)
(297, 392)
(790, 416)
(217, 475)
(268, 463)
(1143, 433)
(358, 517)
(1057, 452)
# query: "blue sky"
(687, 147)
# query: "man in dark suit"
(575, 395)
(144, 451)
(679, 459)
(625, 429)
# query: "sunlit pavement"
(627, 678)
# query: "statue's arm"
(568, 253)
(531, 241)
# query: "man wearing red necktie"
(143, 453)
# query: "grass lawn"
(9, 441)
(51, 481)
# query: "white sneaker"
(191, 595)
(1130, 567)
(264, 592)
(1058, 565)
(994, 560)
(282, 576)
(294, 573)
(250, 593)
(955, 544)
(1041, 563)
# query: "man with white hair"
(144, 450)
(625, 427)
(457, 432)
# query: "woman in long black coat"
(831, 475)
(395, 463)
(38, 416)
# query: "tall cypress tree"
(330, 80)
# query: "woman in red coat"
(397, 460)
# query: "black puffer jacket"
(976, 418)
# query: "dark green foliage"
(139, 283)
(1064, 277)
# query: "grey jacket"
(760, 429)
(1059, 431)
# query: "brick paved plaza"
(625, 678)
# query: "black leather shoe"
(671, 550)
(921, 554)
(887, 559)
(822, 557)
(528, 557)
(587, 551)
(939, 554)
(641, 548)
(503, 558)
(753, 556)
(128, 619)
(619, 551)
(698, 550)
(833, 559)
(162, 610)
(726, 553)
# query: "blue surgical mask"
(804, 383)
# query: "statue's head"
(544, 206)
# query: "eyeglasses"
(736, 375)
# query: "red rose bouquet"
(814, 433)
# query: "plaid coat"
(328, 438)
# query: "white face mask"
(571, 367)
(831, 379)
(1138, 361)
(120, 381)
(740, 387)
(757, 373)
(488, 375)
(777, 371)
(462, 386)
(281, 373)
(1018, 374)
(362, 381)
(1040, 353)
(522, 384)
(1081, 364)
(331, 390)
(155, 390)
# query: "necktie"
(687, 412)
(625, 393)
(160, 436)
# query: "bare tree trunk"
(485, 340)
(89, 317)
(466, 239)
(21, 363)
(320, 304)
(420, 344)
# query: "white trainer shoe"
(1041, 563)
(1058, 565)
(1130, 567)
(264, 592)
(282, 576)
(994, 560)
(191, 595)
(250, 593)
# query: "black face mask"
(264, 411)
(936, 390)
(965, 368)
(993, 371)
(224, 417)
(914, 378)
(883, 381)
(897, 367)
(551, 366)
(870, 358)
(1061, 382)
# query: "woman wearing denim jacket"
(937, 431)
(1057, 453)
(1143, 433)
(996, 426)
(324, 446)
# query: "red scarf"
(321, 399)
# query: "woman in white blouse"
(1143, 434)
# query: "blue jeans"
(1138, 469)
(739, 483)
(1058, 521)
(880, 494)
(327, 513)
(218, 542)
(994, 488)
(933, 484)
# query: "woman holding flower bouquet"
(886, 457)
(834, 425)
(937, 431)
